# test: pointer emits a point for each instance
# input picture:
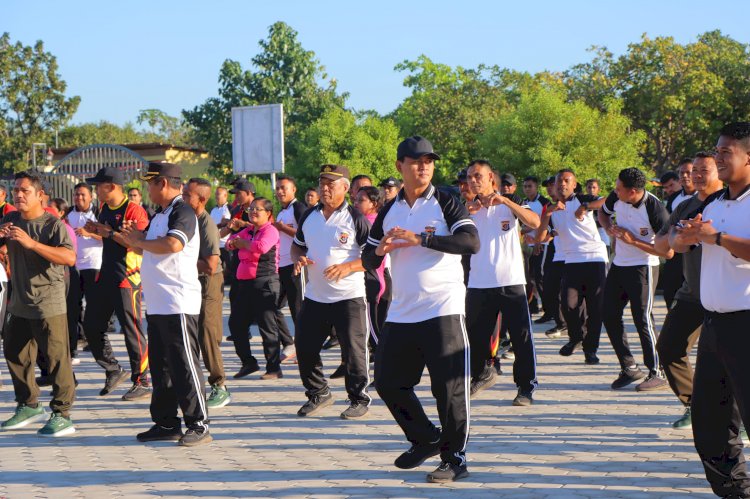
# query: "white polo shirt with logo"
(170, 280)
(89, 254)
(426, 283)
(219, 214)
(499, 261)
(578, 240)
(644, 220)
(725, 279)
(336, 240)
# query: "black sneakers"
(556, 332)
(570, 347)
(488, 379)
(195, 436)
(315, 404)
(114, 378)
(523, 399)
(248, 369)
(159, 433)
(543, 319)
(417, 454)
(354, 411)
(590, 358)
(448, 472)
(627, 376)
(137, 391)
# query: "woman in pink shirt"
(258, 290)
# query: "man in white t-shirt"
(221, 215)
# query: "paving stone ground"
(578, 440)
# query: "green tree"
(545, 133)
(32, 100)
(364, 142)
(283, 72)
(169, 129)
(103, 132)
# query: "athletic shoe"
(158, 433)
(543, 319)
(508, 355)
(340, 372)
(137, 391)
(195, 436)
(417, 454)
(57, 426)
(555, 332)
(24, 416)
(248, 369)
(523, 399)
(330, 343)
(354, 411)
(570, 347)
(315, 404)
(590, 358)
(485, 381)
(75, 361)
(274, 375)
(534, 307)
(448, 472)
(627, 376)
(44, 380)
(114, 378)
(289, 353)
(652, 383)
(685, 422)
(219, 397)
(496, 365)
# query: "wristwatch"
(718, 238)
(426, 239)
(111, 234)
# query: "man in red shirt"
(118, 287)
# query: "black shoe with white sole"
(417, 454)
(448, 472)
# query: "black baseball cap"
(242, 184)
(390, 182)
(107, 175)
(462, 176)
(162, 169)
(547, 181)
(415, 147)
(507, 178)
(334, 172)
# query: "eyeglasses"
(256, 209)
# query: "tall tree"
(283, 72)
(166, 128)
(32, 100)
(545, 133)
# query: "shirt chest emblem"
(343, 237)
(505, 225)
(644, 231)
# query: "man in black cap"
(329, 243)
(425, 231)
(173, 298)
(390, 187)
(118, 287)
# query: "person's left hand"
(494, 199)
(581, 212)
(132, 236)
(337, 271)
(624, 235)
(406, 237)
(21, 237)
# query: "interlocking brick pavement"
(579, 440)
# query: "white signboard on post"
(258, 139)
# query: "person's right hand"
(303, 261)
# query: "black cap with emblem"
(415, 147)
(162, 169)
(334, 172)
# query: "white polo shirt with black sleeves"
(426, 283)
(644, 220)
(578, 240)
(328, 242)
(680, 197)
(536, 205)
(289, 216)
(499, 261)
(725, 279)
(170, 281)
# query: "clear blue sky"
(121, 57)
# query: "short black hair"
(199, 181)
(740, 131)
(134, 189)
(373, 194)
(684, 161)
(532, 178)
(632, 178)
(705, 154)
(265, 203)
(667, 177)
(83, 185)
(482, 162)
(279, 178)
(361, 176)
(33, 177)
(593, 181)
(566, 170)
